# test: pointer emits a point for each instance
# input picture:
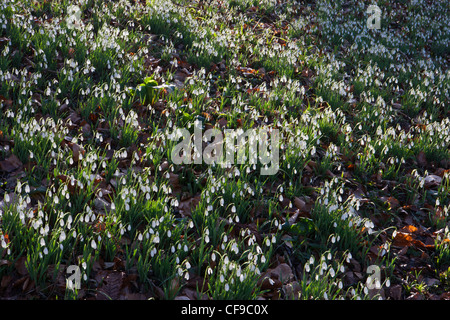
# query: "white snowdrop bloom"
(45, 251)
(227, 287)
(42, 242)
(62, 236)
(93, 244)
(268, 242)
(349, 256)
(332, 273)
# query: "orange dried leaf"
(409, 229)
(403, 239)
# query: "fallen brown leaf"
(111, 286)
(186, 206)
(10, 164)
(421, 159)
(432, 180)
(393, 203)
(299, 203)
(20, 266)
(402, 239)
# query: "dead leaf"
(74, 118)
(406, 237)
(4, 262)
(21, 266)
(284, 272)
(111, 286)
(294, 217)
(432, 180)
(77, 150)
(431, 282)
(191, 294)
(186, 206)
(395, 292)
(402, 239)
(134, 296)
(275, 278)
(292, 290)
(408, 229)
(175, 182)
(28, 284)
(10, 164)
(6, 280)
(360, 195)
(197, 282)
(85, 127)
(222, 122)
(393, 203)
(349, 278)
(63, 108)
(421, 159)
(299, 203)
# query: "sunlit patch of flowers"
(98, 180)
